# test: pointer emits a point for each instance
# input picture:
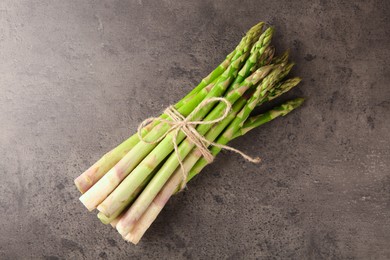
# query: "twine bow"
(187, 126)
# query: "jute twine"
(187, 126)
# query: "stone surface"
(77, 77)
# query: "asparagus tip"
(292, 104)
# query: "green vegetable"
(131, 184)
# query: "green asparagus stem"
(258, 120)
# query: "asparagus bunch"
(130, 185)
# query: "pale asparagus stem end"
(155, 207)
(115, 221)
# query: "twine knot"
(187, 126)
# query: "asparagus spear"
(102, 166)
(256, 121)
(173, 183)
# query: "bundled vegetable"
(130, 185)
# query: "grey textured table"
(77, 77)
